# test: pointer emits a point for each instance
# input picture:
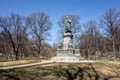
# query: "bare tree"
(14, 28)
(110, 22)
(118, 43)
(90, 40)
(4, 46)
(48, 51)
(39, 25)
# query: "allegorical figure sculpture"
(67, 25)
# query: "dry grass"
(9, 63)
(102, 68)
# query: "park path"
(43, 62)
(25, 65)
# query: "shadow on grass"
(10, 77)
(81, 73)
(97, 76)
(71, 76)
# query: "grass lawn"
(103, 70)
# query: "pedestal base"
(65, 59)
(68, 55)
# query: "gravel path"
(43, 62)
(25, 65)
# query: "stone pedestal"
(66, 54)
(65, 59)
(66, 38)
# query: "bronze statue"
(67, 25)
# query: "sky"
(86, 9)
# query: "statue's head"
(67, 17)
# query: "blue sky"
(86, 9)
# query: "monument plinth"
(67, 51)
(66, 39)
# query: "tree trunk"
(114, 52)
(16, 55)
(38, 54)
